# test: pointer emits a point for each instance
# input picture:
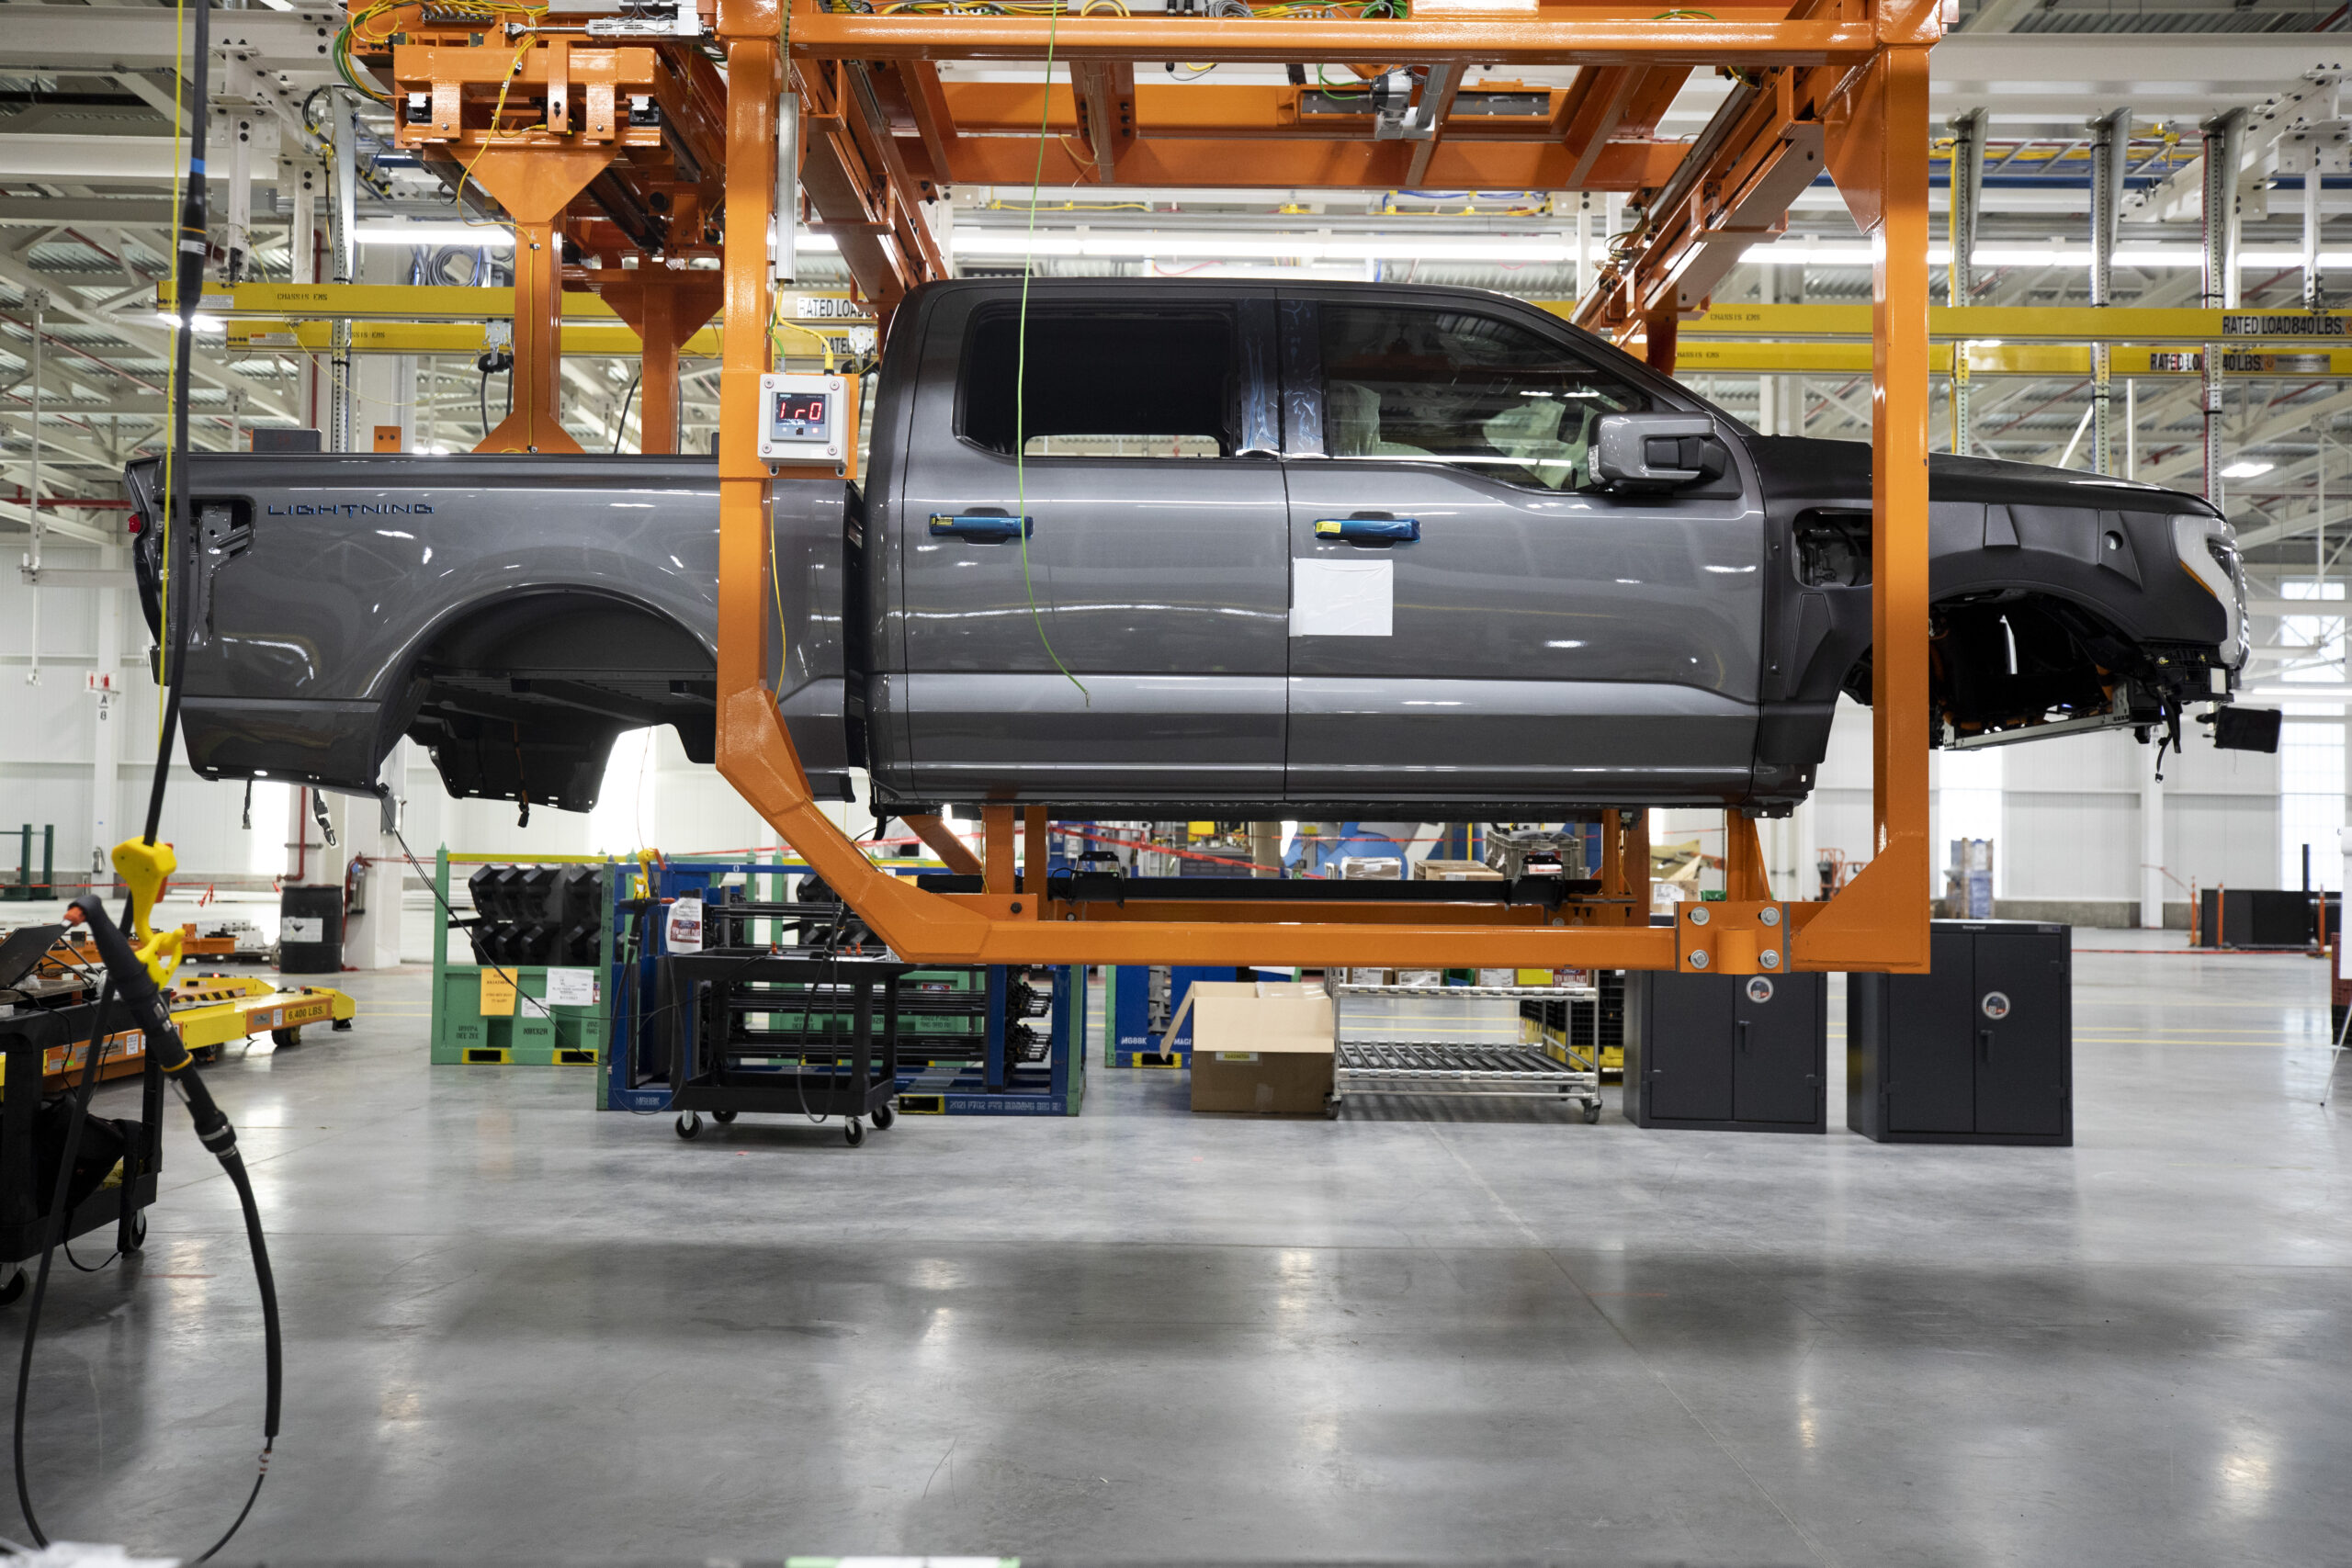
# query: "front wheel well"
(2012, 659)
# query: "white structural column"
(2110, 149)
(105, 730)
(2225, 137)
(300, 182)
(1960, 273)
(2152, 853)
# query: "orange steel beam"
(1106, 95)
(1872, 112)
(929, 107)
(1206, 109)
(953, 852)
(857, 180)
(1468, 41)
(1458, 163)
(1034, 856)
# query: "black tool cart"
(781, 1035)
(32, 1129)
(1980, 1050)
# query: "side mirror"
(1656, 451)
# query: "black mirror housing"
(1635, 451)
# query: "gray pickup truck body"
(1226, 621)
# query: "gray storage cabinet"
(1980, 1050)
(1728, 1052)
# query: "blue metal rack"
(635, 1076)
(1135, 1035)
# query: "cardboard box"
(1260, 1048)
(1454, 871)
(1371, 868)
(1367, 976)
(1421, 977)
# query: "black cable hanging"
(127, 976)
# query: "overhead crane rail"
(637, 152)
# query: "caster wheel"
(1331, 1108)
(883, 1117)
(690, 1125)
(15, 1287)
(722, 1117)
(207, 1054)
(1591, 1111)
(854, 1132)
(341, 1026)
(138, 1230)
(285, 1037)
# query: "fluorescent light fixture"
(473, 236)
(1799, 252)
(2246, 469)
(490, 236)
(203, 324)
(2315, 692)
(1536, 249)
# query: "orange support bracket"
(535, 184)
(666, 305)
(953, 852)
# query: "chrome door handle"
(981, 530)
(1376, 532)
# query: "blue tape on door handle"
(1370, 530)
(982, 530)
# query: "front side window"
(1418, 385)
(1104, 384)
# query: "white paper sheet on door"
(1342, 598)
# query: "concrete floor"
(517, 1329)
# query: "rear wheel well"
(519, 697)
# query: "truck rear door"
(1469, 623)
(1138, 646)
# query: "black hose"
(124, 971)
(620, 430)
(187, 293)
(152, 1013)
(51, 1230)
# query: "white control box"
(804, 419)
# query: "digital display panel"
(797, 416)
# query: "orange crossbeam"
(1470, 40)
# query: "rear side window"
(1104, 384)
(1415, 385)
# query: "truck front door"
(1128, 643)
(1470, 623)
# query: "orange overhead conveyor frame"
(1841, 82)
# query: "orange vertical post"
(996, 849)
(1878, 155)
(1034, 855)
(665, 306)
(1746, 877)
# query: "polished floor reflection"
(517, 1329)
